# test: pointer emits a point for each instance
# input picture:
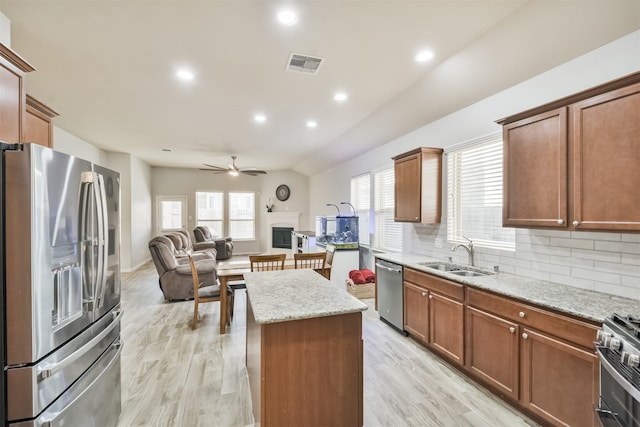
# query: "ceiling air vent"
(304, 63)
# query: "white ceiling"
(108, 67)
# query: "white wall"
(141, 208)
(607, 262)
(186, 182)
(71, 144)
(5, 30)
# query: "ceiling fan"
(232, 169)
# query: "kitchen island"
(304, 350)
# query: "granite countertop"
(284, 295)
(595, 306)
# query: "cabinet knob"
(521, 314)
(430, 296)
(525, 336)
(512, 329)
(424, 294)
(561, 221)
(576, 223)
(417, 218)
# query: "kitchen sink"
(457, 269)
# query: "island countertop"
(285, 295)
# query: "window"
(474, 188)
(387, 233)
(172, 212)
(242, 215)
(361, 201)
(210, 211)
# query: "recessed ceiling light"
(312, 124)
(287, 17)
(185, 74)
(340, 96)
(424, 56)
(260, 118)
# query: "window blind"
(210, 211)
(387, 233)
(242, 215)
(474, 189)
(361, 201)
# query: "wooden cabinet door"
(492, 351)
(606, 155)
(408, 176)
(446, 331)
(559, 381)
(12, 101)
(416, 311)
(535, 171)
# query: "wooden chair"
(206, 294)
(331, 250)
(267, 262)
(315, 260)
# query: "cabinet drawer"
(578, 332)
(436, 284)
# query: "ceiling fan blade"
(214, 167)
(253, 172)
(214, 170)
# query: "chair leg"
(194, 321)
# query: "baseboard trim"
(129, 270)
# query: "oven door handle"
(622, 381)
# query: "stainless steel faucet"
(468, 247)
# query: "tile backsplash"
(603, 262)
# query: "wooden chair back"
(315, 260)
(331, 250)
(203, 295)
(267, 262)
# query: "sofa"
(174, 271)
(184, 246)
(224, 245)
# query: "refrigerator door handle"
(103, 232)
(49, 369)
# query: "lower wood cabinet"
(493, 351)
(416, 311)
(434, 313)
(559, 380)
(542, 360)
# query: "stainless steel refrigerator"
(61, 289)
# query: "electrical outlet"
(438, 242)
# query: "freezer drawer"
(30, 389)
(94, 400)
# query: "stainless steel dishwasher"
(389, 277)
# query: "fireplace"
(281, 237)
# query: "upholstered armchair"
(224, 245)
(175, 277)
(185, 247)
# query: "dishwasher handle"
(392, 270)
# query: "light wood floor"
(173, 376)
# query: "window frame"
(231, 220)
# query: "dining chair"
(326, 272)
(206, 294)
(314, 260)
(267, 262)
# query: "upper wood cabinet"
(418, 186)
(575, 163)
(12, 95)
(39, 123)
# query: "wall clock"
(283, 192)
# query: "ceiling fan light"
(233, 172)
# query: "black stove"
(618, 348)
